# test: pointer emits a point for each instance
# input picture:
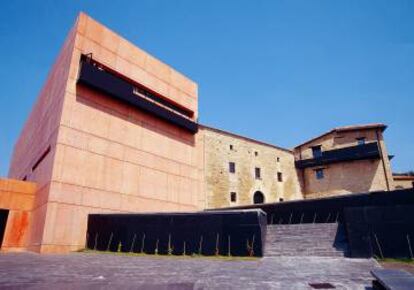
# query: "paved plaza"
(111, 271)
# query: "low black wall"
(376, 220)
(382, 231)
(329, 209)
(235, 233)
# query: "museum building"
(115, 130)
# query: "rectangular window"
(279, 177)
(317, 151)
(361, 141)
(278, 159)
(280, 199)
(233, 197)
(231, 147)
(319, 173)
(257, 173)
(232, 167)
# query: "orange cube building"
(90, 152)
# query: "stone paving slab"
(111, 271)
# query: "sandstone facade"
(221, 148)
(403, 181)
(361, 174)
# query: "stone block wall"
(247, 154)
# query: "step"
(324, 240)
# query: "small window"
(412, 184)
(279, 177)
(317, 151)
(231, 147)
(233, 197)
(257, 173)
(319, 173)
(256, 153)
(232, 167)
(281, 199)
(277, 159)
(361, 141)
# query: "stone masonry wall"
(219, 182)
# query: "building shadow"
(136, 116)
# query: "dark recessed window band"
(41, 158)
(368, 151)
(101, 80)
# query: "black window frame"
(233, 196)
(317, 151)
(279, 176)
(361, 141)
(257, 173)
(319, 173)
(232, 167)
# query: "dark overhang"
(95, 76)
(366, 151)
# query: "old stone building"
(241, 171)
(344, 160)
(114, 130)
(402, 181)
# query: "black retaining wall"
(206, 233)
(374, 220)
(382, 231)
(330, 209)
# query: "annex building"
(114, 130)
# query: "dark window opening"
(41, 158)
(257, 173)
(281, 199)
(24, 178)
(361, 141)
(317, 151)
(233, 196)
(258, 197)
(279, 177)
(256, 153)
(232, 167)
(319, 173)
(278, 159)
(4, 213)
(231, 147)
(413, 184)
